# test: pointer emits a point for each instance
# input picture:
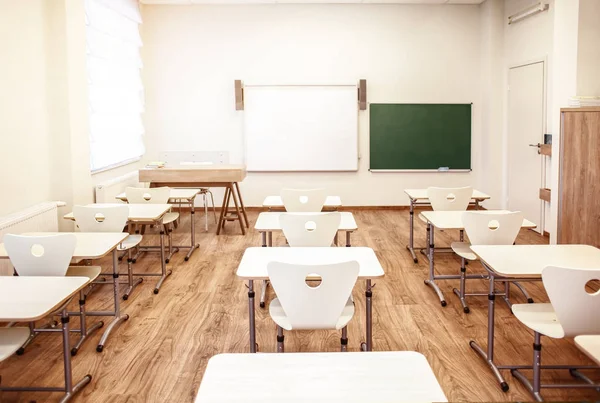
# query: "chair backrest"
(492, 228)
(309, 307)
(101, 218)
(317, 229)
(148, 195)
(450, 199)
(576, 309)
(303, 200)
(45, 255)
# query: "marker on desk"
(443, 169)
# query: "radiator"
(107, 191)
(42, 217)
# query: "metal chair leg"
(205, 212)
(461, 294)
(280, 338)
(344, 339)
(212, 201)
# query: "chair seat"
(463, 249)
(280, 318)
(540, 318)
(130, 242)
(91, 272)
(11, 339)
(169, 218)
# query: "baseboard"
(342, 208)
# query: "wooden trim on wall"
(586, 109)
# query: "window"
(116, 92)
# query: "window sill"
(117, 165)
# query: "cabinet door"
(579, 205)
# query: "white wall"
(25, 138)
(192, 55)
(588, 53)
(492, 102)
(530, 40)
(564, 81)
(44, 136)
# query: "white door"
(525, 132)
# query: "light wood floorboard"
(160, 353)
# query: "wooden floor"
(160, 353)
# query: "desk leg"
(237, 187)
(117, 301)
(237, 210)
(83, 329)
(348, 239)
(251, 318)
(489, 356)
(431, 280)
(224, 208)
(193, 245)
(163, 265)
(267, 239)
(368, 345)
(411, 233)
(70, 390)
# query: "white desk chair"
(303, 200)
(319, 229)
(204, 192)
(450, 199)
(310, 229)
(299, 306)
(572, 312)
(485, 228)
(155, 196)
(110, 219)
(447, 199)
(12, 339)
(50, 255)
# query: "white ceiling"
(184, 2)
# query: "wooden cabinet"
(579, 177)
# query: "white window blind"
(116, 92)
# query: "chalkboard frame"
(420, 137)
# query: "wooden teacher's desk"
(225, 176)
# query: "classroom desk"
(92, 246)
(332, 203)
(149, 214)
(253, 266)
(180, 196)
(403, 376)
(225, 176)
(590, 345)
(524, 263)
(418, 197)
(27, 299)
(452, 220)
(268, 222)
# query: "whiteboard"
(301, 128)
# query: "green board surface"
(420, 136)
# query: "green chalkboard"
(420, 136)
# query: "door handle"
(538, 145)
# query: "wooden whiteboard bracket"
(362, 95)
(239, 95)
